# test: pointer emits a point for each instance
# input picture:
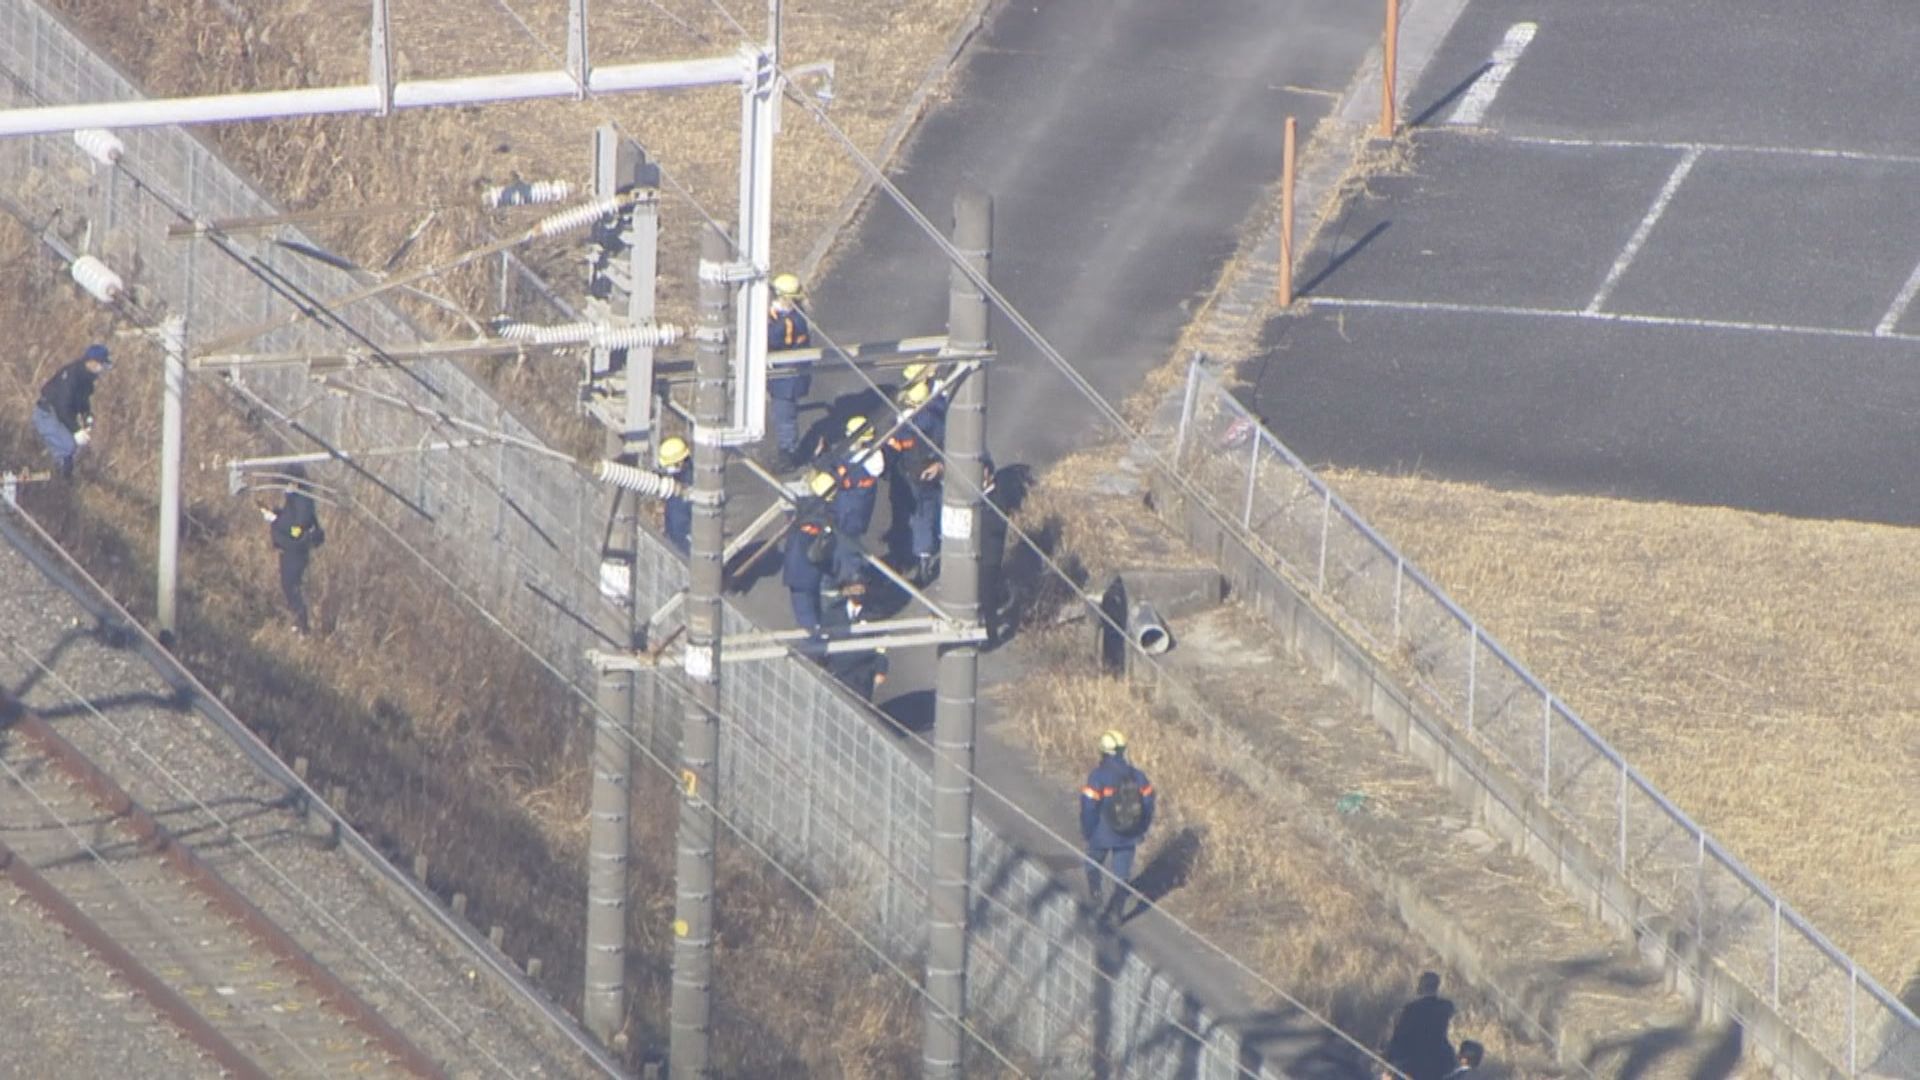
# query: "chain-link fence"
(805, 769)
(1302, 530)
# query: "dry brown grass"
(1763, 671)
(1282, 904)
(445, 156)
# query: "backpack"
(1126, 809)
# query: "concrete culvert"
(1148, 630)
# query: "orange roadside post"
(1286, 215)
(1387, 72)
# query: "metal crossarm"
(873, 636)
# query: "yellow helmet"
(787, 286)
(672, 451)
(916, 394)
(859, 429)
(820, 483)
(1112, 742)
(920, 372)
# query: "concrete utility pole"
(700, 732)
(619, 167)
(173, 337)
(958, 593)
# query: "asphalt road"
(1670, 261)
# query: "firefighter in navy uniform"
(809, 550)
(63, 414)
(787, 329)
(856, 477)
(1116, 810)
(916, 467)
(675, 458)
(295, 528)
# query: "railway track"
(202, 955)
(250, 917)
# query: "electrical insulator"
(640, 481)
(525, 193)
(598, 335)
(577, 218)
(100, 144)
(98, 279)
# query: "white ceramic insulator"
(514, 331)
(98, 279)
(528, 194)
(100, 144)
(577, 218)
(646, 336)
(639, 481)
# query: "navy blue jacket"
(678, 519)
(69, 394)
(1101, 783)
(800, 571)
(789, 331)
(296, 527)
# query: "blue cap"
(97, 352)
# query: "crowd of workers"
(824, 571)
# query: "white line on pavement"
(1709, 147)
(1626, 318)
(1645, 229)
(1899, 308)
(1473, 107)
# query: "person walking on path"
(1420, 1046)
(63, 415)
(787, 329)
(1116, 810)
(676, 463)
(296, 532)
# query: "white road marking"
(1899, 308)
(1627, 318)
(1473, 107)
(1640, 234)
(1707, 147)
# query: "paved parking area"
(1633, 254)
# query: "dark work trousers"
(293, 567)
(1117, 859)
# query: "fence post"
(1326, 516)
(1253, 470)
(1473, 661)
(1186, 410)
(1399, 575)
(1546, 748)
(1853, 1033)
(1623, 817)
(1776, 952)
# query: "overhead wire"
(168, 927)
(666, 768)
(1086, 389)
(285, 880)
